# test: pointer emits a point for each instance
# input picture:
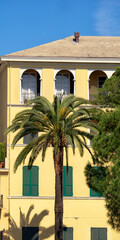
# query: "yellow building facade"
(27, 204)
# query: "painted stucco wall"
(80, 211)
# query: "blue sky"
(28, 23)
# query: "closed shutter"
(26, 181)
(34, 181)
(67, 181)
(30, 233)
(94, 193)
(68, 233)
(98, 233)
(30, 181)
(102, 233)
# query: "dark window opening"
(30, 233)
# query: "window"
(98, 233)
(64, 82)
(94, 193)
(67, 181)
(68, 233)
(30, 181)
(30, 233)
(101, 81)
(30, 85)
(1, 235)
(26, 138)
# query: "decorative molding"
(108, 72)
(39, 70)
(73, 71)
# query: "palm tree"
(57, 124)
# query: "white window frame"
(22, 70)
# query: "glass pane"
(58, 83)
(66, 83)
(101, 81)
(26, 139)
(29, 86)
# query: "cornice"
(58, 59)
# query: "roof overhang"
(58, 59)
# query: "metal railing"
(25, 97)
(1, 201)
(61, 94)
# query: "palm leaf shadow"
(16, 231)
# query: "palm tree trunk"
(59, 194)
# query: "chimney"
(77, 34)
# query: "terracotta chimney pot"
(77, 35)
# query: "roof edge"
(58, 59)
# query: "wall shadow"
(15, 231)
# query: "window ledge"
(4, 170)
(52, 197)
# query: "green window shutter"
(98, 233)
(30, 181)
(67, 181)
(68, 233)
(34, 181)
(94, 193)
(102, 233)
(26, 181)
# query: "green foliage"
(109, 94)
(96, 178)
(113, 194)
(107, 143)
(106, 179)
(57, 124)
(2, 152)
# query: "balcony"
(61, 94)
(25, 97)
(1, 201)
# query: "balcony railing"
(28, 96)
(61, 94)
(1, 201)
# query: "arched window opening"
(97, 79)
(64, 83)
(30, 85)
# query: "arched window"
(97, 79)
(30, 86)
(64, 83)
